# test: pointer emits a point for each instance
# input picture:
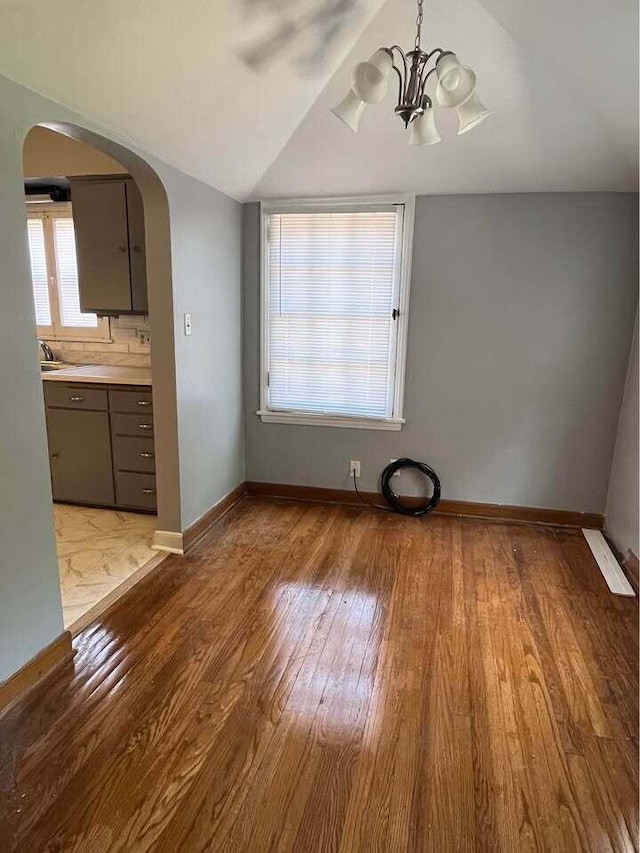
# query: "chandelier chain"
(419, 20)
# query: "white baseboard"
(611, 571)
(165, 540)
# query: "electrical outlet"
(396, 473)
(354, 468)
(144, 338)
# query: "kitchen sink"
(46, 366)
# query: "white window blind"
(54, 274)
(39, 275)
(67, 270)
(332, 283)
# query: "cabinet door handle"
(76, 399)
(122, 249)
(145, 426)
(145, 455)
(148, 491)
(137, 249)
(144, 402)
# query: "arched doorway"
(97, 476)
(160, 297)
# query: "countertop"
(100, 373)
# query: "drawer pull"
(148, 491)
(144, 454)
(145, 426)
(76, 399)
(144, 402)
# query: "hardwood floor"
(333, 679)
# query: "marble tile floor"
(99, 552)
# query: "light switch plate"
(187, 324)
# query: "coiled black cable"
(393, 500)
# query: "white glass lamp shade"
(350, 111)
(424, 130)
(370, 80)
(456, 83)
(471, 113)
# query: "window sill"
(76, 334)
(76, 339)
(268, 417)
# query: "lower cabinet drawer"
(130, 401)
(137, 491)
(134, 454)
(74, 397)
(132, 424)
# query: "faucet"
(46, 349)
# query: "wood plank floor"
(322, 678)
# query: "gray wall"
(206, 248)
(30, 607)
(205, 230)
(622, 502)
(522, 310)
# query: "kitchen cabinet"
(80, 454)
(108, 218)
(133, 447)
(101, 450)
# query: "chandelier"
(455, 88)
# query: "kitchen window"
(54, 277)
(335, 295)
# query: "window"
(54, 275)
(335, 293)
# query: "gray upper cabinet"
(137, 249)
(108, 218)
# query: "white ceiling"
(562, 78)
(167, 76)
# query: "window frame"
(47, 212)
(396, 420)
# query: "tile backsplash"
(124, 348)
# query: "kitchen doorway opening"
(92, 256)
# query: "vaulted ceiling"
(559, 125)
(562, 78)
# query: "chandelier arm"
(424, 61)
(425, 80)
(403, 78)
(421, 94)
(426, 77)
(400, 84)
(439, 50)
(400, 51)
